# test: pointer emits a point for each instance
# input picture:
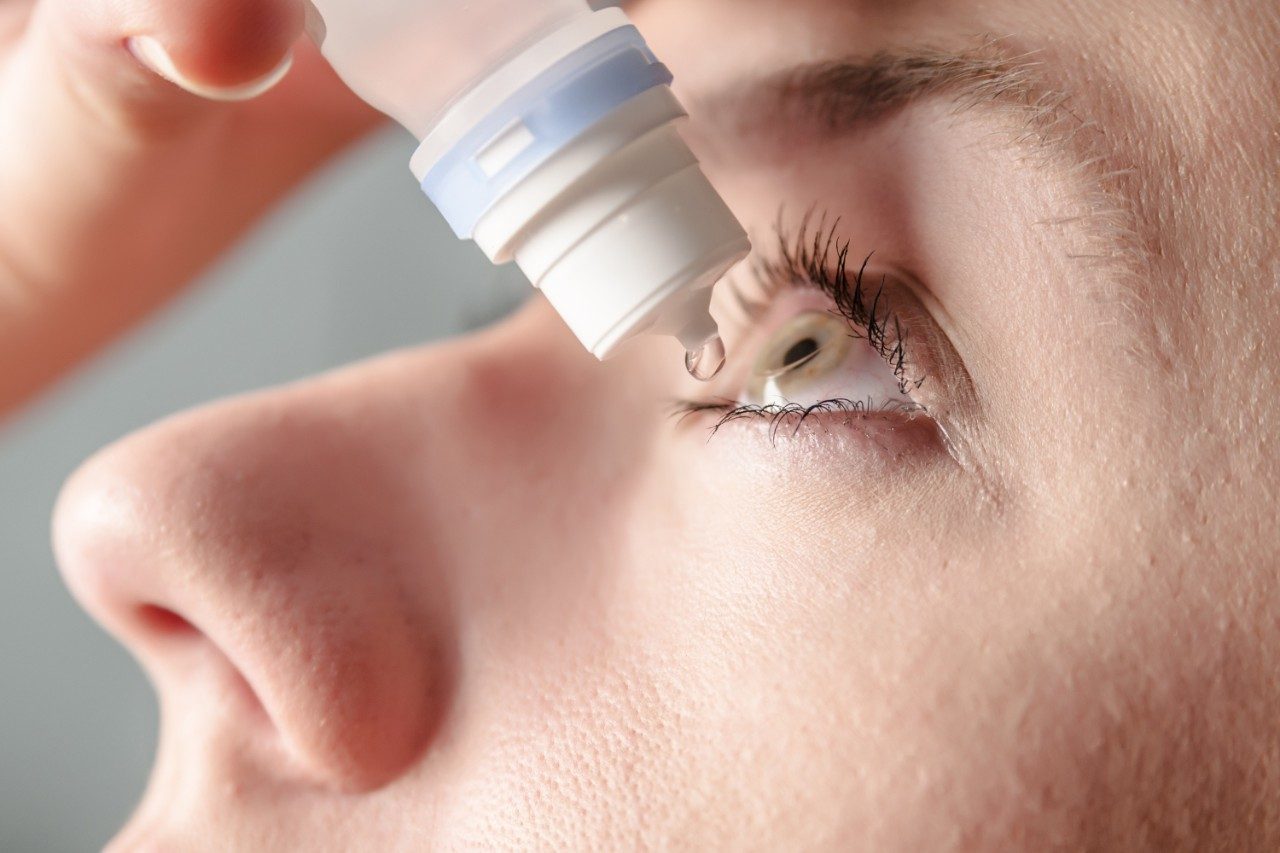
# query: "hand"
(118, 185)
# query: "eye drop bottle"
(550, 137)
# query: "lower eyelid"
(892, 438)
(888, 428)
(793, 419)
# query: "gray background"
(356, 264)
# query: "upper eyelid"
(1042, 111)
(794, 264)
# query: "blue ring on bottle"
(555, 108)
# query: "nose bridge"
(512, 412)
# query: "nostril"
(164, 622)
(169, 630)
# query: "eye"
(815, 357)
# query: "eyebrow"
(849, 92)
(843, 96)
(987, 74)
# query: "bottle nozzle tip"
(706, 362)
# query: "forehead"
(1174, 70)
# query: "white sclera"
(842, 367)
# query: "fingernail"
(152, 54)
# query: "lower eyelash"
(791, 415)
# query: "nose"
(316, 565)
(283, 542)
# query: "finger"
(225, 50)
(90, 135)
(119, 176)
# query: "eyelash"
(791, 414)
(818, 257)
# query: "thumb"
(151, 52)
(105, 109)
(120, 178)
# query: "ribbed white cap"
(622, 230)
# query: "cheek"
(795, 643)
(744, 653)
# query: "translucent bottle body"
(411, 58)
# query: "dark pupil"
(800, 353)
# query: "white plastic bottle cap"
(568, 160)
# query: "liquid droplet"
(705, 364)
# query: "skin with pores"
(494, 594)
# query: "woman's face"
(971, 547)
